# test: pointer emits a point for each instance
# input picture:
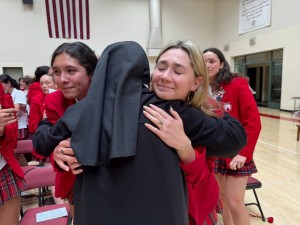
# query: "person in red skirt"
(237, 99)
(11, 175)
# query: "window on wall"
(258, 58)
(14, 72)
(239, 60)
(277, 55)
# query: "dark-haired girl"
(232, 173)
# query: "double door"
(265, 76)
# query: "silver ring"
(63, 151)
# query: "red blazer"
(9, 141)
(37, 108)
(34, 90)
(203, 189)
(239, 102)
(55, 106)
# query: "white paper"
(51, 214)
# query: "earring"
(190, 96)
(150, 86)
(187, 99)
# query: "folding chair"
(38, 177)
(29, 217)
(253, 184)
(25, 147)
(298, 131)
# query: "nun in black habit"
(129, 175)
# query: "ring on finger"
(10, 114)
(63, 151)
(160, 124)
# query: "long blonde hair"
(198, 98)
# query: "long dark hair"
(5, 78)
(26, 79)
(80, 51)
(40, 71)
(224, 75)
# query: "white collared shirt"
(19, 97)
(2, 162)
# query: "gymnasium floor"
(277, 157)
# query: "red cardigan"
(203, 189)
(239, 102)
(55, 106)
(9, 141)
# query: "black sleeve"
(222, 137)
(48, 136)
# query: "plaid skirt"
(23, 134)
(221, 168)
(211, 219)
(10, 184)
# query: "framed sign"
(254, 14)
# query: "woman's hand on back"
(169, 128)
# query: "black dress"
(138, 182)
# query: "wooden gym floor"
(277, 156)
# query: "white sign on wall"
(254, 14)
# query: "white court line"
(285, 149)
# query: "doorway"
(259, 82)
(264, 71)
(14, 72)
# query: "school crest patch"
(227, 106)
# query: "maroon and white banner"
(68, 19)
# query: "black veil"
(110, 112)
